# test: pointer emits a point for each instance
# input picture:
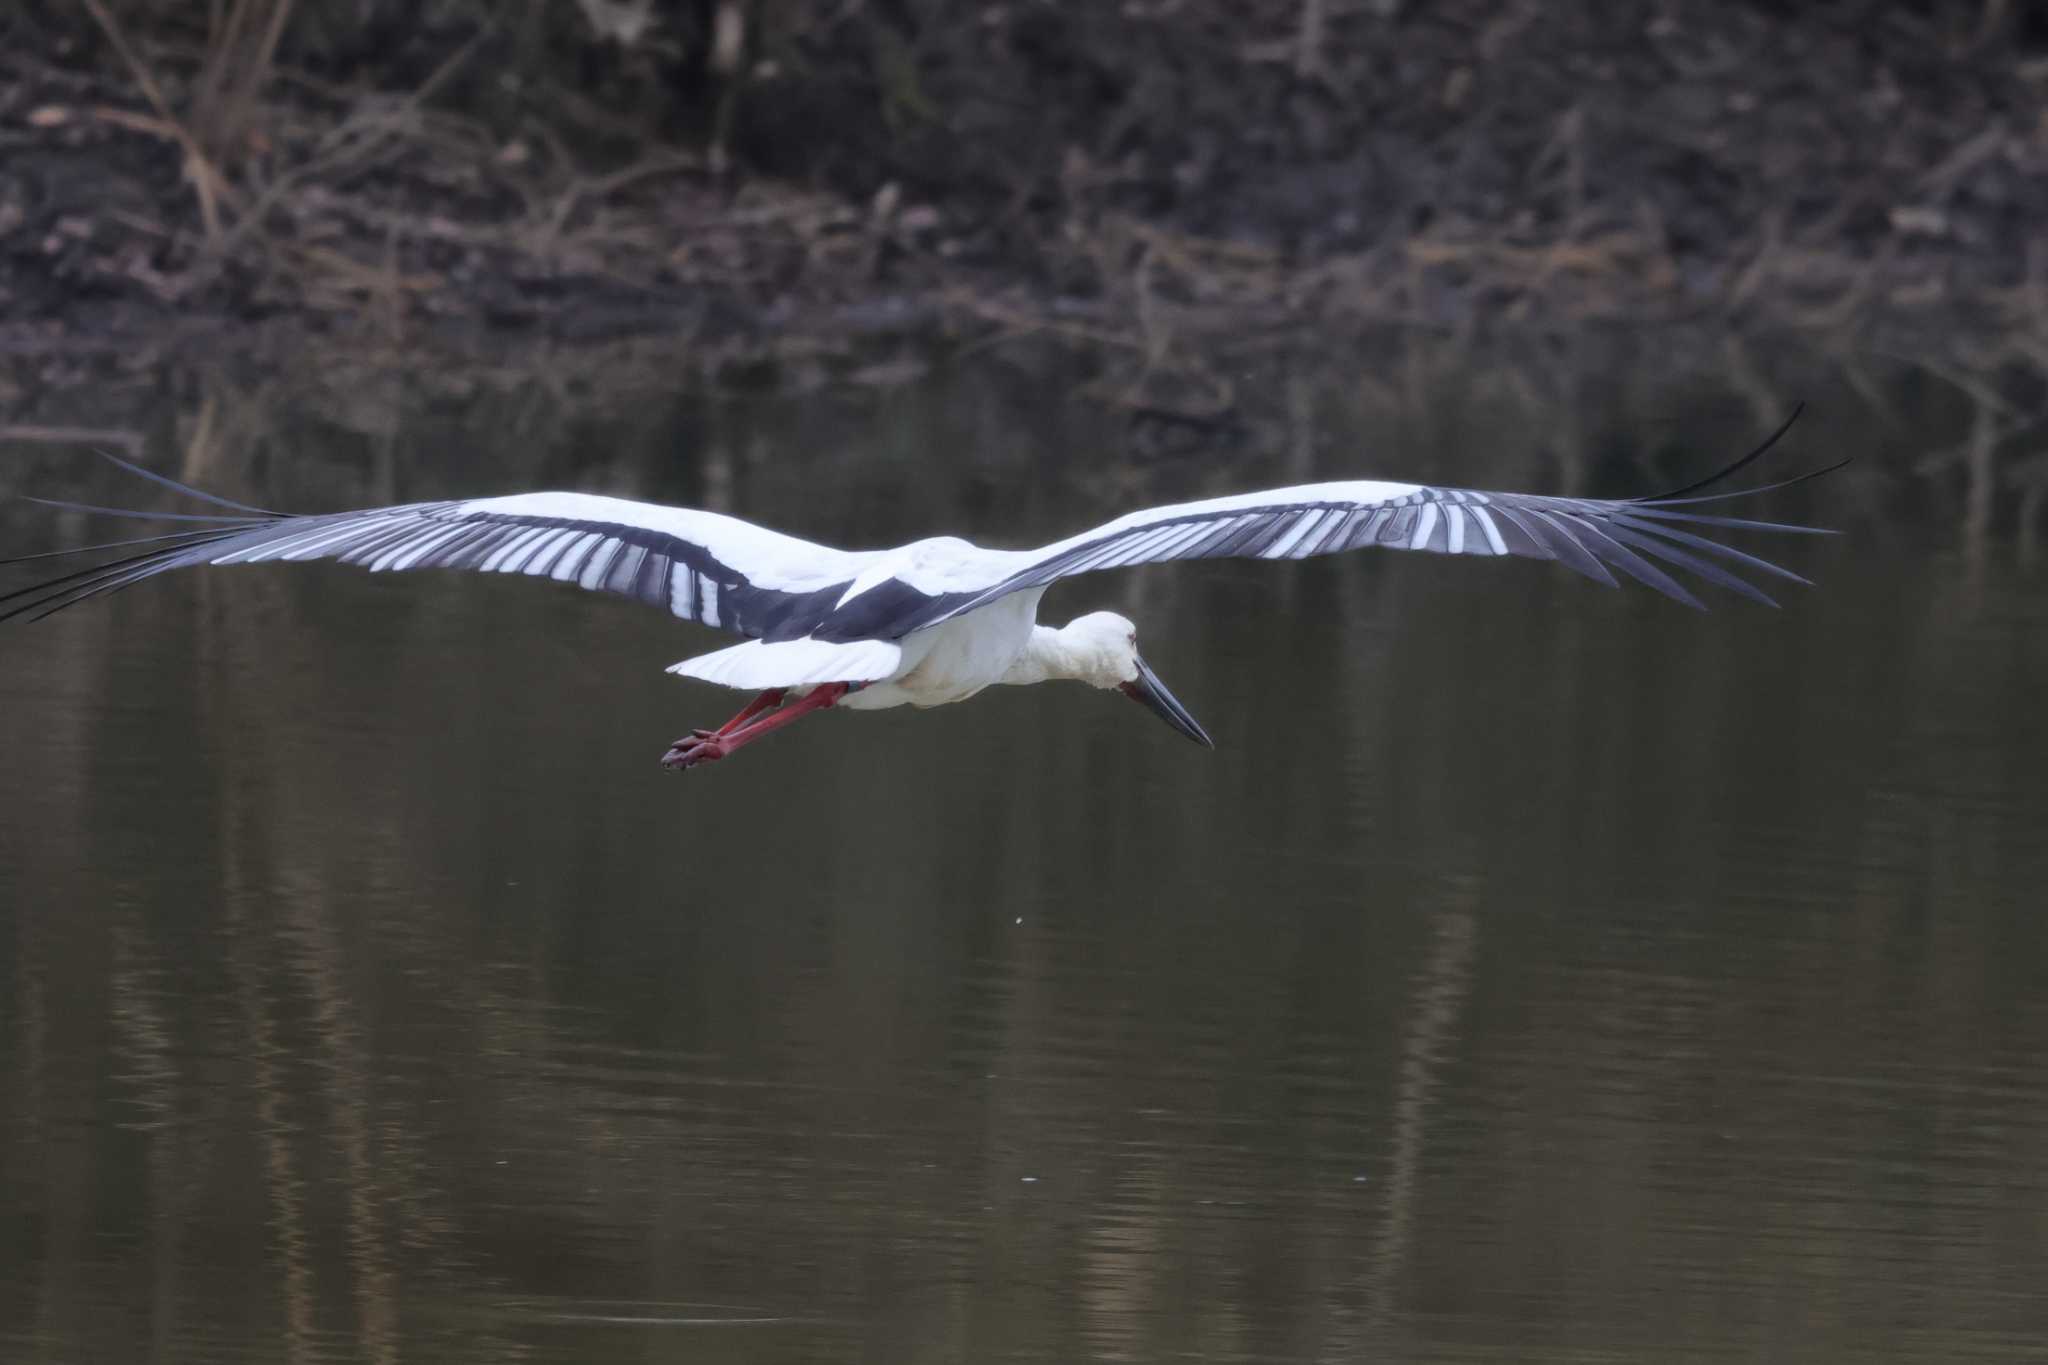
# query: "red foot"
(700, 746)
(708, 746)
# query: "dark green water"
(1534, 972)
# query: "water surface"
(1533, 972)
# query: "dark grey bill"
(1147, 690)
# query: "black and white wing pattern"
(1642, 538)
(701, 566)
(728, 573)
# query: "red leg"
(766, 701)
(818, 699)
(709, 748)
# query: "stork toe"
(700, 746)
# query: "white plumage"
(758, 664)
(937, 620)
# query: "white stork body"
(951, 662)
(935, 621)
(935, 666)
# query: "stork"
(937, 620)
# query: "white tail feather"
(758, 664)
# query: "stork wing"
(1589, 535)
(699, 565)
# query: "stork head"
(1104, 653)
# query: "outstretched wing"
(699, 565)
(728, 573)
(1593, 536)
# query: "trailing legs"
(708, 746)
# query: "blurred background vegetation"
(613, 165)
(1199, 198)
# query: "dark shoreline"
(1839, 169)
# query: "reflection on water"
(1532, 973)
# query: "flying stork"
(937, 620)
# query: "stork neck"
(1045, 657)
(1060, 654)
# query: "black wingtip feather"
(1743, 557)
(1567, 549)
(1701, 568)
(1598, 542)
(191, 537)
(1749, 492)
(168, 482)
(50, 595)
(133, 514)
(1727, 523)
(1738, 466)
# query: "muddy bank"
(1177, 183)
